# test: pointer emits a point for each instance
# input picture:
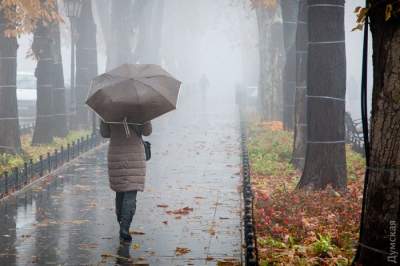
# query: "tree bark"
(275, 63)
(9, 123)
(300, 127)
(380, 232)
(289, 20)
(60, 109)
(42, 49)
(270, 51)
(262, 46)
(325, 162)
(86, 62)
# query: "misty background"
(218, 39)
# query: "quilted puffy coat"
(126, 156)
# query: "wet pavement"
(189, 213)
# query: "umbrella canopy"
(135, 93)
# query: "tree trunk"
(42, 49)
(380, 232)
(60, 109)
(300, 127)
(103, 15)
(326, 88)
(274, 95)
(120, 50)
(270, 51)
(147, 26)
(262, 46)
(86, 63)
(154, 43)
(9, 123)
(289, 20)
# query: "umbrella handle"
(126, 127)
(121, 123)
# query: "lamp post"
(73, 10)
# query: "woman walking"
(126, 169)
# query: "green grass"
(29, 151)
(270, 154)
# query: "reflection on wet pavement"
(188, 215)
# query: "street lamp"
(73, 10)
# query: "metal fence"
(354, 134)
(250, 237)
(18, 178)
(26, 129)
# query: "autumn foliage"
(269, 4)
(23, 15)
(298, 227)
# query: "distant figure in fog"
(204, 84)
(126, 169)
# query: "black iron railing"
(18, 178)
(354, 134)
(250, 237)
(27, 128)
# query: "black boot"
(124, 237)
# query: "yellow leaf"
(388, 12)
(357, 9)
(358, 27)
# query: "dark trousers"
(125, 207)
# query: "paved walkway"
(68, 219)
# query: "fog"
(218, 39)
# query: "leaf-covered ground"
(296, 227)
(8, 162)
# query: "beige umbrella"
(133, 94)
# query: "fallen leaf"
(79, 221)
(135, 246)
(228, 262)
(141, 263)
(211, 231)
(86, 246)
(108, 255)
(35, 259)
(165, 222)
(182, 211)
(162, 205)
(181, 251)
(133, 232)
